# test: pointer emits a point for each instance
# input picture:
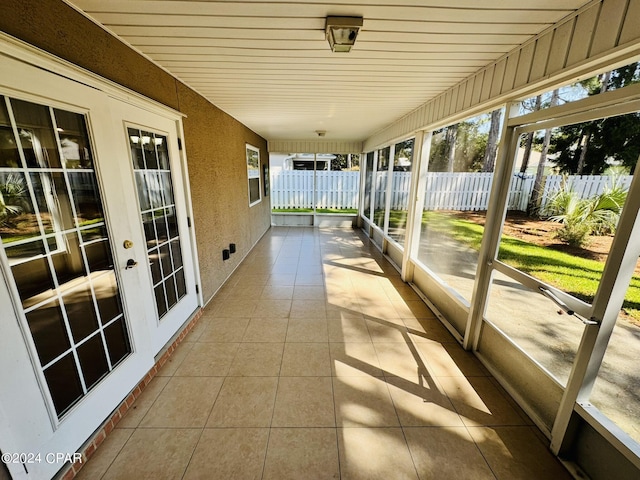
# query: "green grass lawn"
(575, 275)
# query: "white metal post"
(421, 149)
(387, 203)
(492, 230)
(362, 182)
(617, 274)
(315, 187)
(372, 200)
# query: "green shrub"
(12, 192)
(574, 234)
(581, 217)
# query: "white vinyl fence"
(294, 189)
(584, 185)
(445, 191)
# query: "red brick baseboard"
(88, 449)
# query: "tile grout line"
(204, 425)
(88, 449)
(273, 410)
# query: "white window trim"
(257, 150)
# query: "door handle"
(130, 264)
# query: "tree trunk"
(529, 142)
(492, 142)
(584, 140)
(535, 194)
(451, 136)
(584, 143)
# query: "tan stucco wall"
(218, 178)
(214, 141)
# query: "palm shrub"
(581, 217)
(11, 193)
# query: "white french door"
(81, 315)
(151, 156)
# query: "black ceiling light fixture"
(342, 32)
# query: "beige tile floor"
(315, 361)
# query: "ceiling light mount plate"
(341, 32)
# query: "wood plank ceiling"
(268, 64)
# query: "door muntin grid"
(154, 183)
(54, 236)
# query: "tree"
(537, 184)
(528, 143)
(492, 142)
(451, 139)
(459, 148)
(590, 147)
(403, 150)
(346, 161)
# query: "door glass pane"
(459, 179)
(72, 132)
(98, 254)
(18, 222)
(175, 254)
(81, 313)
(158, 213)
(108, 297)
(55, 238)
(86, 199)
(117, 341)
(93, 360)
(68, 261)
(64, 383)
(148, 150)
(400, 186)
(565, 241)
(48, 331)
(37, 135)
(9, 154)
(31, 272)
